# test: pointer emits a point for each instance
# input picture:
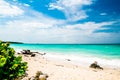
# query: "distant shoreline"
(68, 43)
(13, 42)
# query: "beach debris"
(95, 65)
(39, 76)
(42, 77)
(32, 55)
(18, 53)
(60, 65)
(28, 52)
(68, 59)
(39, 53)
(38, 73)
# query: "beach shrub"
(11, 66)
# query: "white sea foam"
(86, 60)
(83, 60)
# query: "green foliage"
(11, 67)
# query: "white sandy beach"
(65, 70)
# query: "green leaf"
(21, 72)
(2, 62)
(14, 66)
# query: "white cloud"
(52, 6)
(72, 9)
(48, 31)
(103, 14)
(6, 9)
(28, 24)
(27, 5)
(36, 27)
(89, 27)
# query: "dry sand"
(65, 70)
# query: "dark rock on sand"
(95, 66)
(68, 59)
(32, 55)
(39, 76)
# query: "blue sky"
(60, 21)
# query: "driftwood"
(28, 52)
(39, 53)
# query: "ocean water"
(108, 55)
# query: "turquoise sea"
(105, 54)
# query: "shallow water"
(105, 54)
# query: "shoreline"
(81, 60)
(85, 60)
(65, 70)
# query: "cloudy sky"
(60, 21)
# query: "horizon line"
(17, 42)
